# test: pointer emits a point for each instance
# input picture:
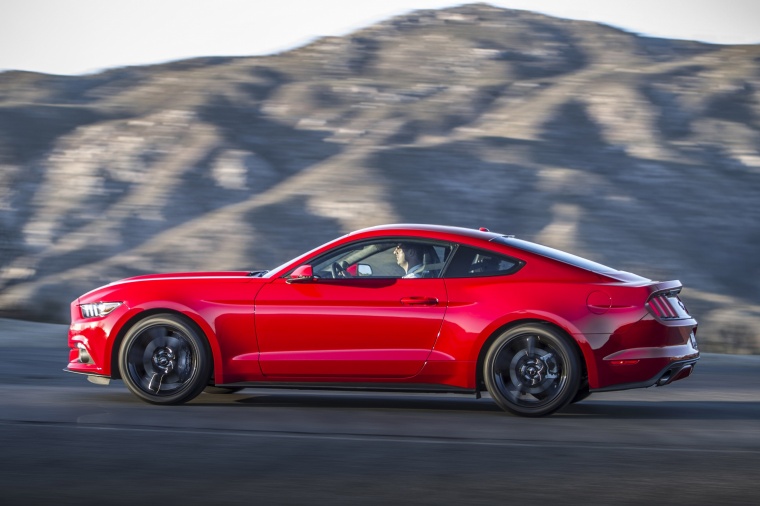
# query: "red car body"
(343, 327)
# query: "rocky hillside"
(640, 153)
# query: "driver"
(409, 257)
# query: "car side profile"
(396, 307)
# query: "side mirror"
(365, 270)
(302, 274)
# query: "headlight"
(98, 309)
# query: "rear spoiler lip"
(633, 280)
(673, 286)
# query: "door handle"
(419, 301)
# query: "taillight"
(668, 306)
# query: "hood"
(103, 291)
(191, 275)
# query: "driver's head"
(407, 255)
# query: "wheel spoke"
(502, 364)
(531, 345)
(522, 389)
(155, 382)
(147, 357)
(174, 342)
(156, 334)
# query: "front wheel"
(532, 370)
(165, 360)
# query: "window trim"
(518, 263)
(391, 239)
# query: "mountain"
(640, 153)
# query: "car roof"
(482, 234)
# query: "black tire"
(583, 392)
(165, 360)
(532, 370)
(215, 390)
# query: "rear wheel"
(532, 370)
(165, 360)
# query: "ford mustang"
(397, 307)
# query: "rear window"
(554, 254)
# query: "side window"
(472, 262)
(384, 259)
(369, 259)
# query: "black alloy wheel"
(532, 370)
(165, 360)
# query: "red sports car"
(407, 307)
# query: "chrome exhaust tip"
(675, 374)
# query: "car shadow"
(369, 401)
(672, 410)
(591, 409)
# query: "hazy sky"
(79, 36)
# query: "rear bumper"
(670, 373)
(648, 353)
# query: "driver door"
(349, 327)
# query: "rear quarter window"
(471, 262)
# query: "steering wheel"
(338, 271)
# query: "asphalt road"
(66, 441)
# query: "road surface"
(66, 441)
